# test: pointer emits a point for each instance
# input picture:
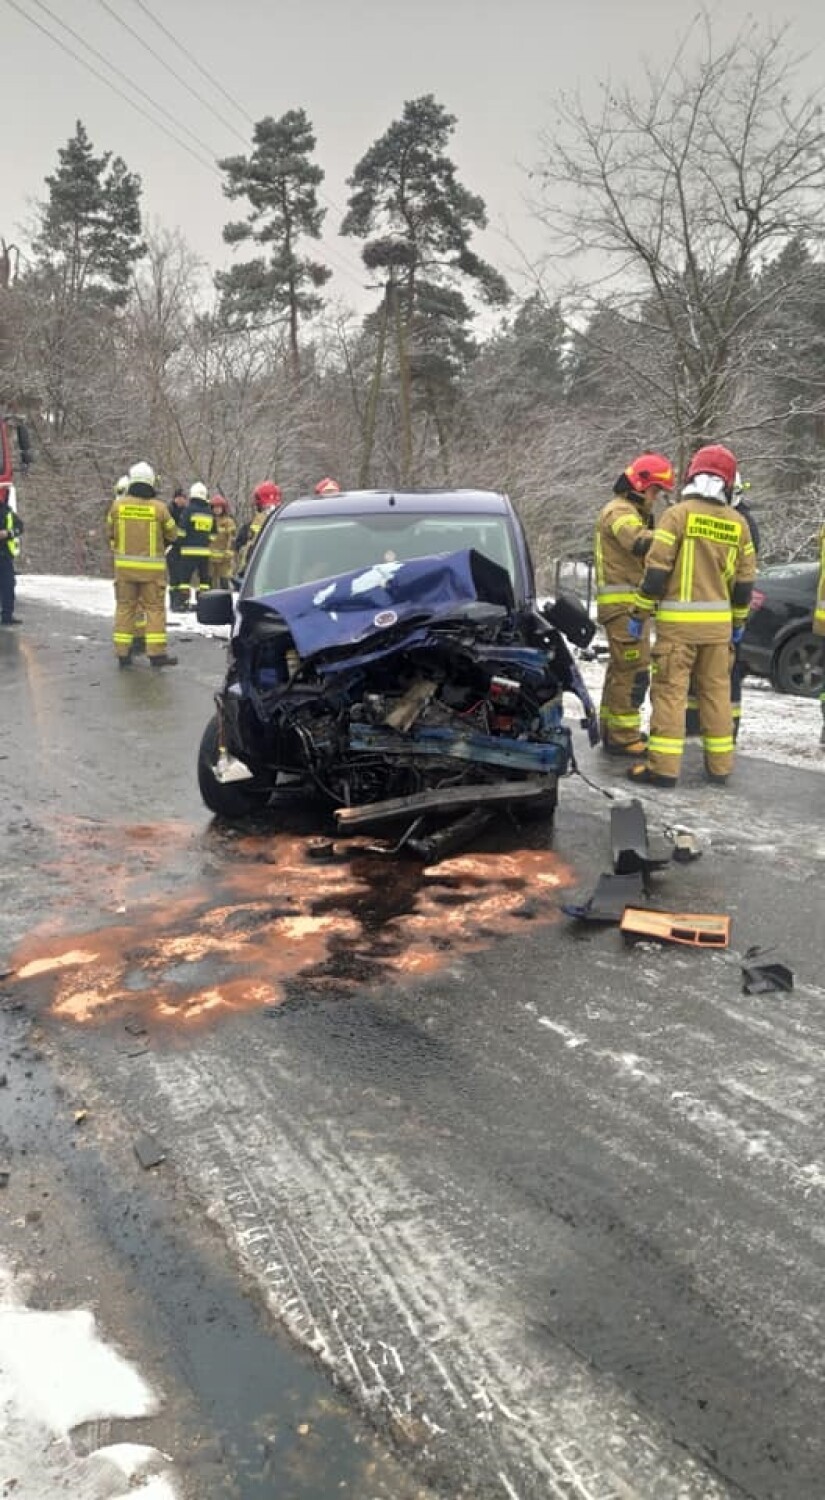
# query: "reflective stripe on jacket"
(819, 607)
(197, 522)
(139, 531)
(10, 521)
(618, 550)
(222, 541)
(699, 571)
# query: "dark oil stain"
(189, 929)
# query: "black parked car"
(779, 642)
(388, 656)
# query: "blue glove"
(737, 634)
(635, 626)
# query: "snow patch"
(56, 1373)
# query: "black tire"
(799, 665)
(232, 800)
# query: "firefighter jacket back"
(140, 528)
(819, 607)
(197, 529)
(699, 571)
(621, 539)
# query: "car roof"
(370, 502)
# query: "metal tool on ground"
(693, 929)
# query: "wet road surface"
(549, 1209)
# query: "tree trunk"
(371, 413)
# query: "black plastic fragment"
(610, 896)
(629, 842)
(763, 979)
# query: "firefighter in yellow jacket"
(819, 625)
(623, 536)
(698, 578)
(140, 528)
(221, 544)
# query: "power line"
(146, 100)
(191, 58)
(123, 98)
(194, 61)
(201, 98)
(130, 82)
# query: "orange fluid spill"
(183, 929)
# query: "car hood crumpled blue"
(343, 611)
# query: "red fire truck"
(13, 433)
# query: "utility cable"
(215, 84)
(194, 61)
(124, 98)
(130, 83)
(158, 56)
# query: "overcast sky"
(496, 64)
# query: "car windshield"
(305, 548)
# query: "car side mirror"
(215, 607)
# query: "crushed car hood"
(343, 611)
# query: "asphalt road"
(548, 1209)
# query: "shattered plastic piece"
(80, 1115)
(764, 979)
(148, 1152)
(696, 929)
(611, 894)
(685, 843)
(629, 841)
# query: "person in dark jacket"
(11, 529)
(178, 584)
(197, 524)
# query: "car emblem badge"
(385, 618)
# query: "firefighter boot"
(641, 775)
(163, 661)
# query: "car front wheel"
(799, 666)
(226, 799)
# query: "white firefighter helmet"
(143, 473)
(198, 491)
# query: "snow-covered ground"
(778, 727)
(56, 1373)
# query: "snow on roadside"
(56, 1373)
(775, 726)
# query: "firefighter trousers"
(673, 661)
(737, 677)
(132, 594)
(625, 682)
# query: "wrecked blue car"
(421, 687)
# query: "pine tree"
(280, 181)
(417, 220)
(90, 226)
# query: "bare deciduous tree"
(679, 190)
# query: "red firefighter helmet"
(327, 487)
(219, 502)
(714, 459)
(648, 469)
(267, 494)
